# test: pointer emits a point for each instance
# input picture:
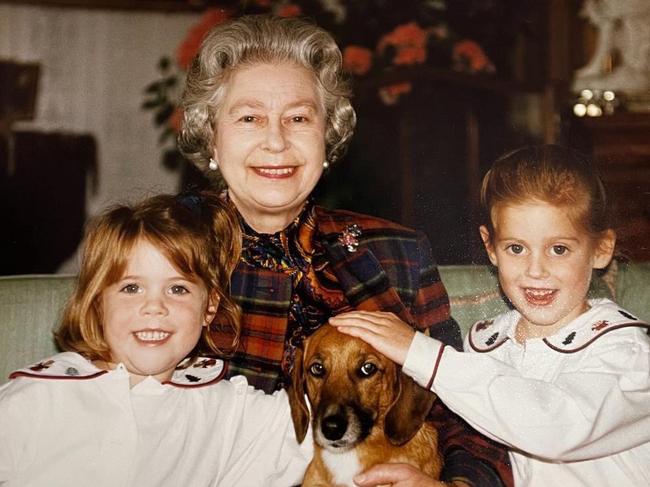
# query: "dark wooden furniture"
(420, 162)
(620, 146)
(43, 188)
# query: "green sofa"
(30, 306)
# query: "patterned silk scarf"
(297, 251)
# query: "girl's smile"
(152, 337)
(539, 297)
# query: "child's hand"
(385, 332)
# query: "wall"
(94, 67)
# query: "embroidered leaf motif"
(482, 325)
(205, 363)
(569, 338)
(192, 378)
(41, 366)
(599, 325)
(628, 315)
(492, 339)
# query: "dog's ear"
(296, 393)
(407, 414)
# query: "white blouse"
(574, 407)
(63, 422)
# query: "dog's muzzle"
(341, 427)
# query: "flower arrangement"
(373, 35)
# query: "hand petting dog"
(383, 331)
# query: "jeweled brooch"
(348, 237)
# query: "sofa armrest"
(629, 284)
(473, 293)
(30, 308)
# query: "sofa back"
(30, 306)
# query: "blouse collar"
(73, 366)
(603, 317)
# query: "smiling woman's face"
(270, 142)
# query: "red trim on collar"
(19, 373)
(586, 344)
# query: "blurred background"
(88, 116)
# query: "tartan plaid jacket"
(391, 269)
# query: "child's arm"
(16, 422)
(600, 409)
(259, 437)
(8, 458)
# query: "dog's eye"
(316, 369)
(368, 369)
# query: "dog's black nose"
(334, 426)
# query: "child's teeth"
(151, 335)
(539, 292)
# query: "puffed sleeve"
(14, 428)
(468, 456)
(599, 408)
(264, 448)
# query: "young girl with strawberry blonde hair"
(131, 402)
(562, 379)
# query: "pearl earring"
(213, 165)
(326, 164)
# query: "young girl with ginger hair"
(561, 379)
(116, 408)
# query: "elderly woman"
(266, 109)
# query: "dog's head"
(353, 391)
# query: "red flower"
(410, 55)
(357, 60)
(469, 56)
(410, 34)
(175, 120)
(192, 42)
(390, 94)
(409, 41)
(288, 10)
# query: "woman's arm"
(431, 308)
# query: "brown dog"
(365, 411)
